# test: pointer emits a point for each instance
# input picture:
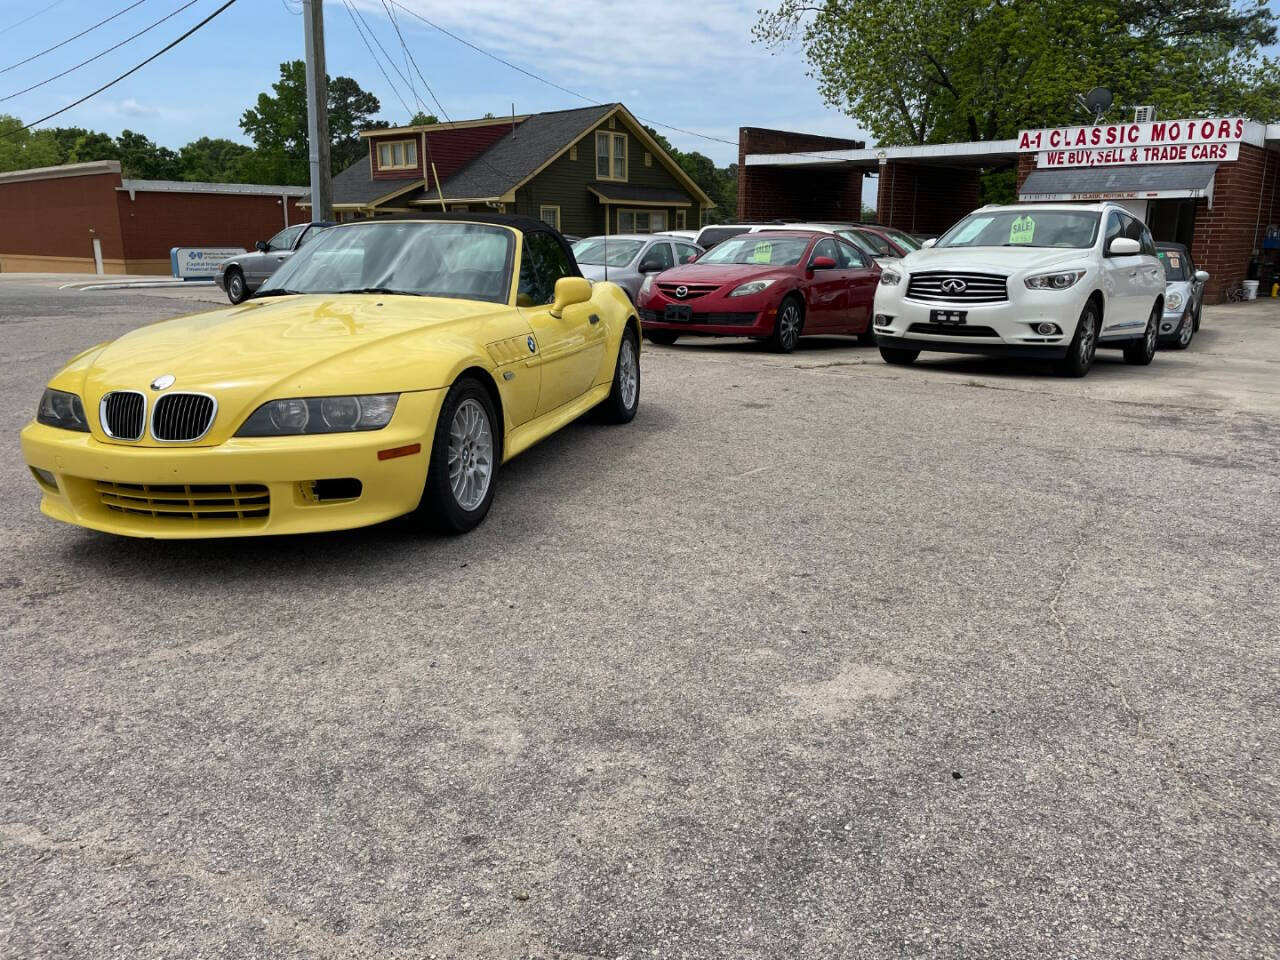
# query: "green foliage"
(932, 71)
(20, 149)
(719, 183)
(421, 119)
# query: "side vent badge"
(533, 346)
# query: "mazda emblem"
(163, 382)
(682, 291)
(953, 285)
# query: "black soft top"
(515, 221)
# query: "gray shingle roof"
(355, 185)
(631, 191)
(512, 159)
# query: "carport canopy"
(1153, 181)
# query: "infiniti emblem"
(164, 382)
(682, 291)
(953, 285)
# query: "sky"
(690, 65)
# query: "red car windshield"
(753, 248)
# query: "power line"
(132, 70)
(422, 107)
(99, 56)
(14, 26)
(351, 12)
(36, 56)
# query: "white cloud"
(138, 111)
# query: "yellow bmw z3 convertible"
(388, 368)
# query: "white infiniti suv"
(1048, 281)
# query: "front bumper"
(987, 349)
(138, 491)
(1169, 322)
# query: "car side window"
(660, 254)
(285, 238)
(878, 244)
(826, 247)
(1148, 245)
(1114, 229)
(849, 258)
(542, 263)
(685, 252)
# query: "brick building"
(1210, 184)
(87, 218)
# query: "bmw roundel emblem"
(682, 291)
(533, 345)
(163, 382)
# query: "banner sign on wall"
(1118, 144)
(199, 263)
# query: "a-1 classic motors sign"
(1120, 144)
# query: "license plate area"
(676, 313)
(952, 318)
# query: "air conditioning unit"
(1144, 114)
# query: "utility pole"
(318, 111)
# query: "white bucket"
(1250, 289)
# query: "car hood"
(721, 273)
(1001, 260)
(311, 345)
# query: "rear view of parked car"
(241, 276)
(626, 259)
(1183, 295)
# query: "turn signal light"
(406, 451)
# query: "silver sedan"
(626, 258)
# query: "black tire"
(1140, 352)
(440, 509)
(868, 336)
(622, 403)
(664, 338)
(898, 357)
(1084, 345)
(1181, 338)
(788, 325)
(237, 289)
(1199, 307)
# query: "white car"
(1047, 281)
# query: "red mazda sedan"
(777, 286)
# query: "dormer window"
(398, 155)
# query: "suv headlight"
(61, 409)
(750, 287)
(890, 278)
(1173, 301)
(283, 418)
(1054, 281)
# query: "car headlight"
(61, 409)
(648, 283)
(750, 287)
(1054, 281)
(299, 415)
(890, 278)
(1173, 301)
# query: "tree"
(421, 119)
(143, 159)
(23, 149)
(212, 160)
(930, 71)
(278, 123)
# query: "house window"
(398, 155)
(680, 220)
(642, 221)
(611, 156)
(549, 215)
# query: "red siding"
(152, 223)
(450, 149)
(60, 217)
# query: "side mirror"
(1202, 276)
(570, 290)
(1124, 247)
(261, 246)
(650, 266)
(823, 263)
(926, 244)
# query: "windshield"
(904, 240)
(467, 261)
(754, 248)
(859, 240)
(613, 253)
(1175, 264)
(1029, 228)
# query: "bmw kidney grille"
(124, 414)
(182, 417)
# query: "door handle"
(1133, 273)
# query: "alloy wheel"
(1152, 333)
(1186, 329)
(789, 325)
(1088, 339)
(628, 373)
(470, 454)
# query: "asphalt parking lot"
(816, 658)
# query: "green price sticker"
(1022, 230)
(763, 253)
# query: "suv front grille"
(204, 501)
(977, 287)
(952, 330)
(124, 414)
(182, 416)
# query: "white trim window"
(550, 215)
(642, 221)
(398, 155)
(611, 156)
(680, 220)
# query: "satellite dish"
(1099, 101)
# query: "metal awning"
(1152, 181)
